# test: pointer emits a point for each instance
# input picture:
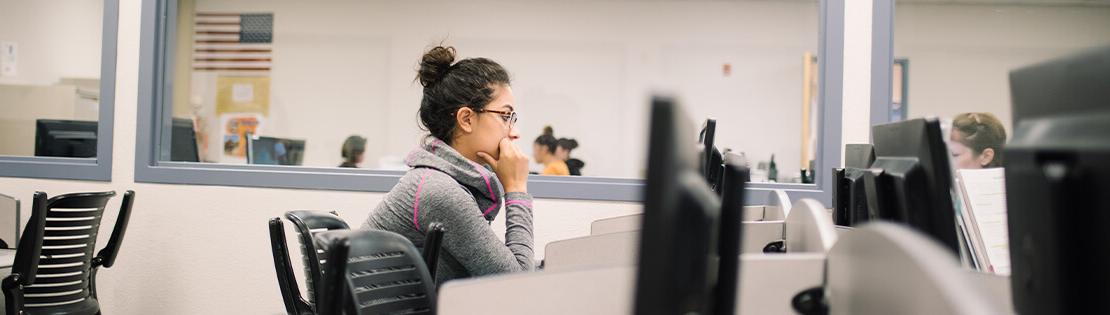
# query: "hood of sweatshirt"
(478, 179)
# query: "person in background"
(976, 141)
(563, 153)
(543, 150)
(352, 151)
(465, 171)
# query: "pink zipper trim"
(519, 202)
(496, 200)
(416, 204)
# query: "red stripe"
(232, 59)
(217, 14)
(233, 50)
(218, 41)
(217, 33)
(231, 69)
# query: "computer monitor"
(1057, 174)
(712, 160)
(65, 138)
(913, 180)
(183, 146)
(1061, 86)
(733, 179)
(859, 155)
(850, 207)
(679, 225)
(274, 151)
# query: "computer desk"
(601, 280)
(807, 229)
(777, 208)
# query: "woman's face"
(491, 127)
(562, 153)
(963, 156)
(539, 153)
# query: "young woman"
(976, 141)
(465, 171)
(563, 153)
(543, 149)
(352, 151)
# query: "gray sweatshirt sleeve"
(469, 237)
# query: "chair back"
(383, 273)
(308, 223)
(68, 239)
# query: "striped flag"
(233, 42)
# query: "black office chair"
(307, 223)
(63, 279)
(374, 272)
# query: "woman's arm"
(469, 237)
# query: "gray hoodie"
(445, 187)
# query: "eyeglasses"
(509, 117)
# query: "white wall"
(960, 56)
(204, 249)
(585, 67)
(65, 42)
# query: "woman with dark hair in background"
(544, 152)
(352, 151)
(468, 109)
(976, 141)
(563, 153)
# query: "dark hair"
(547, 139)
(352, 147)
(568, 144)
(448, 87)
(981, 131)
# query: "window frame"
(155, 77)
(92, 169)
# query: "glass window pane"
(288, 83)
(50, 77)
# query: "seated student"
(563, 153)
(353, 149)
(465, 171)
(976, 141)
(544, 152)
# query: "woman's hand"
(511, 168)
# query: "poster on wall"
(236, 94)
(236, 127)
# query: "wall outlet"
(9, 59)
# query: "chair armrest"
(433, 240)
(107, 256)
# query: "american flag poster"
(233, 42)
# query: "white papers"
(984, 193)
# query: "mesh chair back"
(384, 274)
(69, 237)
(308, 223)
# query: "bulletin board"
(236, 94)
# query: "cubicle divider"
(596, 274)
(777, 208)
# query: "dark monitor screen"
(679, 225)
(274, 151)
(733, 179)
(183, 141)
(65, 138)
(1074, 84)
(917, 189)
(850, 203)
(1057, 168)
(712, 158)
(859, 155)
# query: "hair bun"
(548, 131)
(434, 65)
